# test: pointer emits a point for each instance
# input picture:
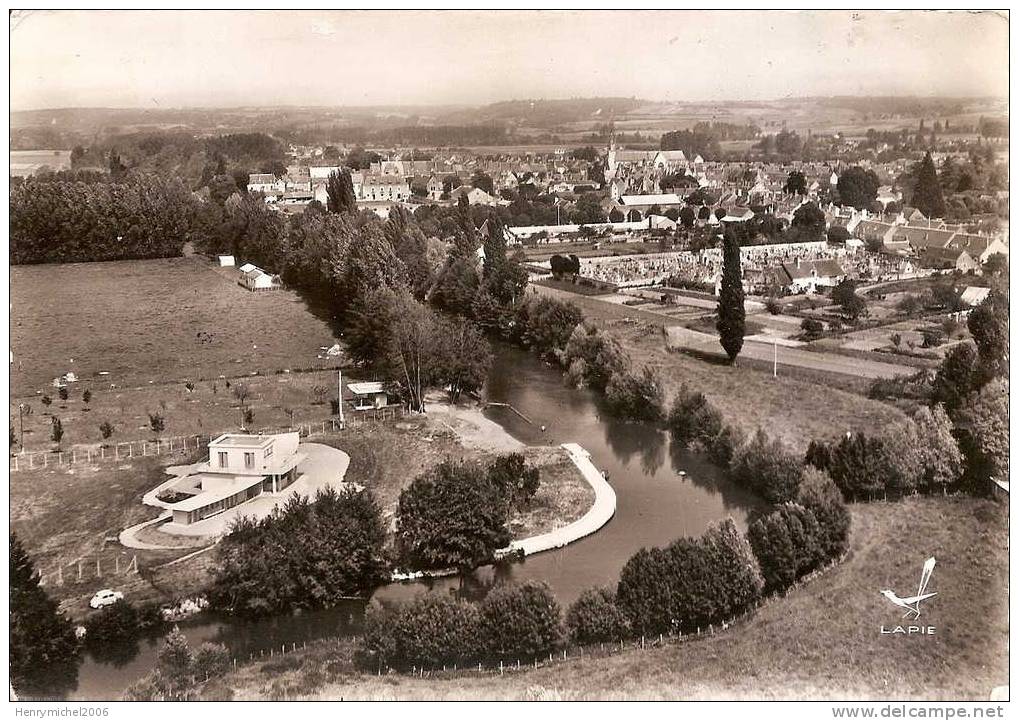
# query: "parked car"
(106, 597)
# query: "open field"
(211, 407)
(788, 408)
(153, 320)
(821, 641)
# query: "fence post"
(74, 457)
(116, 565)
(15, 463)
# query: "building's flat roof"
(241, 440)
(365, 388)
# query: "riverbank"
(822, 640)
(747, 395)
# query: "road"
(705, 343)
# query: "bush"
(211, 660)
(545, 324)
(690, 584)
(819, 494)
(787, 543)
(697, 424)
(106, 429)
(157, 423)
(599, 357)
(636, 397)
(114, 624)
(812, 328)
(773, 306)
(932, 337)
(863, 466)
(594, 618)
(767, 468)
(450, 517)
(430, 630)
(514, 480)
(521, 622)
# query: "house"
(368, 395)
(267, 184)
(806, 276)
(974, 295)
(475, 196)
(434, 188)
(383, 187)
(737, 215)
(255, 279)
(948, 259)
(240, 467)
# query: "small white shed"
(226, 261)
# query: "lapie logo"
(912, 603)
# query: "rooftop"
(239, 440)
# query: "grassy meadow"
(821, 641)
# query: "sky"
(335, 58)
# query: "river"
(655, 505)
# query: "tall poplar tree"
(731, 313)
(340, 193)
(927, 197)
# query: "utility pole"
(339, 394)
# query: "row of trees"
(513, 622)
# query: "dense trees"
(303, 555)
(988, 323)
(42, 642)
(731, 312)
(795, 184)
(452, 516)
(858, 187)
(982, 425)
(691, 583)
(63, 222)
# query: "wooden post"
(116, 565)
(79, 571)
(99, 568)
(74, 457)
(15, 463)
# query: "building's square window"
(249, 460)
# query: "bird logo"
(912, 603)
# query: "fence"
(86, 571)
(182, 445)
